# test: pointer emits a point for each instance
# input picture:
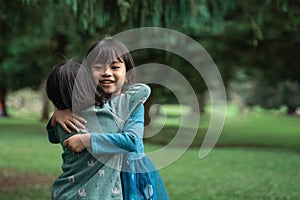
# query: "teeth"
(106, 81)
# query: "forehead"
(115, 61)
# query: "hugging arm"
(70, 121)
(50, 130)
(130, 139)
(126, 141)
(67, 120)
(111, 143)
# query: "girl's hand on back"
(68, 120)
(77, 143)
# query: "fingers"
(65, 127)
(69, 124)
(68, 120)
(74, 144)
(79, 122)
(69, 145)
(80, 119)
(65, 143)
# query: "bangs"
(105, 53)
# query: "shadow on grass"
(19, 185)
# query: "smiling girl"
(112, 67)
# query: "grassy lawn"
(25, 147)
(235, 174)
(28, 163)
(237, 169)
(259, 128)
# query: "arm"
(111, 143)
(126, 104)
(51, 135)
(67, 120)
(128, 140)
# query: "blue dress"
(140, 179)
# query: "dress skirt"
(142, 181)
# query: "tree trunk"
(291, 110)
(3, 93)
(45, 108)
(237, 99)
(202, 102)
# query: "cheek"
(124, 73)
(123, 77)
(96, 76)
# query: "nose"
(107, 71)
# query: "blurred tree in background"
(261, 38)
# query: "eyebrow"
(115, 61)
(98, 65)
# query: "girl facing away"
(112, 66)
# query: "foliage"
(288, 93)
(33, 40)
(20, 45)
(237, 34)
(256, 90)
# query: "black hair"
(70, 86)
(108, 50)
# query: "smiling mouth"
(106, 81)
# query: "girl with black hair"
(111, 67)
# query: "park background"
(255, 44)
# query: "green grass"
(25, 147)
(262, 129)
(25, 150)
(36, 192)
(229, 173)
(257, 128)
(226, 173)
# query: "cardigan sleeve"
(51, 133)
(138, 94)
(129, 140)
(128, 102)
(129, 107)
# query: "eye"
(115, 67)
(98, 67)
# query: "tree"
(36, 34)
(14, 48)
(32, 42)
(288, 94)
(262, 39)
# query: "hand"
(68, 120)
(77, 143)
